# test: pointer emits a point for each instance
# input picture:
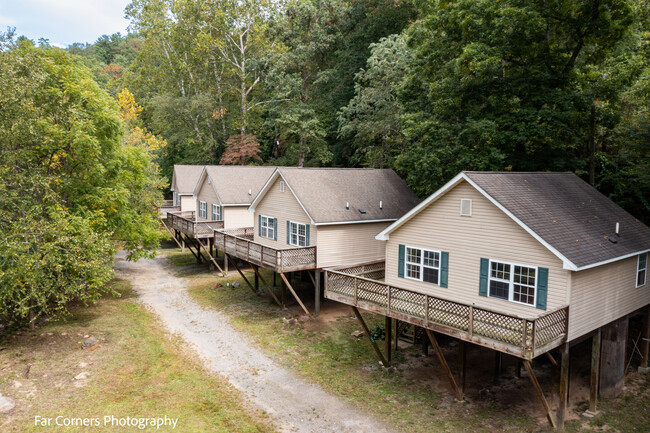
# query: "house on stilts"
(184, 179)
(220, 197)
(522, 263)
(308, 219)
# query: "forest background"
(425, 87)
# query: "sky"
(64, 21)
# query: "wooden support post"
(462, 354)
(274, 274)
(225, 262)
(283, 291)
(498, 363)
(172, 234)
(212, 259)
(242, 274)
(645, 342)
(372, 340)
(540, 393)
(388, 328)
(595, 373)
(518, 368)
(550, 358)
(294, 294)
(445, 366)
(564, 385)
(317, 292)
(257, 278)
(268, 288)
(425, 344)
(396, 335)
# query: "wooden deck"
(186, 223)
(239, 243)
(167, 206)
(524, 337)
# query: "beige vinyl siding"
(188, 203)
(488, 233)
(236, 217)
(603, 294)
(207, 194)
(348, 244)
(283, 206)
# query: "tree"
(372, 119)
(495, 85)
(69, 187)
(241, 149)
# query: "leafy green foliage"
(69, 186)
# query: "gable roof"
(185, 177)
(564, 213)
(232, 183)
(324, 192)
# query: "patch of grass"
(136, 371)
(323, 352)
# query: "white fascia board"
(566, 263)
(615, 259)
(354, 222)
(384, 235)
(235, 204)
(267, 186)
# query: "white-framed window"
(641, 269)
(512, 282)
(176, 199)
(281, 186)
(422, 265)
(267, 228)
(216, 213)
(297, 234)
(203, 209)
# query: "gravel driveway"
(293, 404)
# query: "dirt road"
(295, 405)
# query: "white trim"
(636, 274)
(355, 222)
(421, 264)
(199, 184)
(271, 219)
(267, 185)
(297, 234)
(384, 235)
(511, 282)
(615, 259)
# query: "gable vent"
(465, 207)
(281, 186)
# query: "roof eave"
(608, 261)
(267, 185)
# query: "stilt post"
(564, 385)
(595, 372)
(242, 274)
(317, 292)
(388, 322)
(498, 362)
(294, 294)
(445, 366)
(372, 340)
(540, 393)
(462, 355)
(645, 342)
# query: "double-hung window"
(216, 213)
(512, 282)
(267, 227)
(641, 269)
(297, 234)
(203, 209)
(422, 265)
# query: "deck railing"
(186, 222)
(167, 206)
(520, 336)
(239, 243)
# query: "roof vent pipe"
(381, 204)
(347, 205)
(617, 227)
(250, 192)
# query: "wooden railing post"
(470, 321)
(356, 291)
(426, 310)
(388, 301)
(524, 336)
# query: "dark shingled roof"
(567, 213)
(324, 193)
(185, 178)
(233, 182)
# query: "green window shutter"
(483, 282)
(400, 262)
(542, 287)
(307, 235)
(275, 229)
(444, 268)
(288, 231)
(259, 225)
